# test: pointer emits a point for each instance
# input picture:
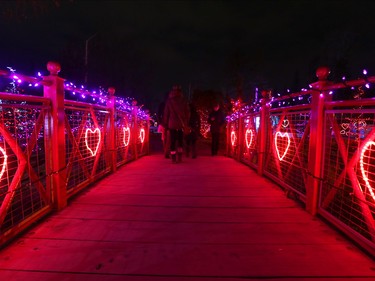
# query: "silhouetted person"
(176, 116)
(162, 127)
(216, 119)
(192, 137)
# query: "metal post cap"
(53, 67)
(322, 72)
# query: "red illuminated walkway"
(204, 219)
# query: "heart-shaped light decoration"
(285, 123)
(282, 135)
(4, 164)
(363, 170)
(249, 137)
(142, 135)
(361, 124)
(126, 138)
(91, 136)
(233, 137)
(344, 127)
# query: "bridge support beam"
(315, 156)
(55, 136)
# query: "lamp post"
(87, 55)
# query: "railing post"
(316, 140)
(136, 131)
(240, 138)
(111, 129)
(227, 143)
(56, 160)
(263, 130)
(147, 132)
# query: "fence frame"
(55, 142)
(320, 103)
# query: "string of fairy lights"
(17, 83)
(358, 88)
(351, 126)
(20, 121)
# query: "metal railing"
(322, 151)
(52, 147)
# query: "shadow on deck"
(209, 218)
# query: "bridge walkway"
(209, 218)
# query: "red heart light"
(142, 135)
(4, 164)
(285, 123)
(249, 137)
(92, 140)
(362, 167)
(126, 138)
(282, 135)
(233, 137)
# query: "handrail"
(53, 147)
(358, 102)
(20, 97)
(26, 78)
(83, 104)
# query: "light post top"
(111, 91)
(322, 73)
(53, 68)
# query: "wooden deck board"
(210, 218)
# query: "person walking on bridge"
(162, 128)
(176, 117)
(192, 137)
(216, 119)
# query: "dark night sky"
(144, 47)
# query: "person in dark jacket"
(192, 137)
(216, 119)
(162, 128)
(176, 117)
